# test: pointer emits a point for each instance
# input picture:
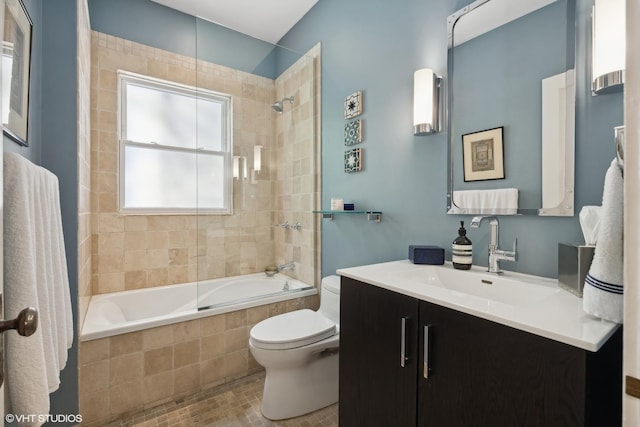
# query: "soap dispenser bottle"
(462, 250)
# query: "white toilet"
(299, 351)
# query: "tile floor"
(236, 404)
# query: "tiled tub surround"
(125, 373)
(298, 163)
(132, 252)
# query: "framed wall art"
(16, 57)
(483, 156)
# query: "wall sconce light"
(257, 158)
(245, 173)
(608, 46)
(236, 167)
(426, 102)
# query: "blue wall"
(52, 138)
(375, 46)
(60, 155)
(155, 25)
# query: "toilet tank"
(330, 298)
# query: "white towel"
(35, 274)
(503, 201)
(603, 291)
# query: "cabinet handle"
(426, 352)
(403, 342)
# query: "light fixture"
(236, 167)
(426, 97)
(257, 158)
(244, 168)
(608, 46)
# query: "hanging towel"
(503, 201)
(603, 289)
(35, 274)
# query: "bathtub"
(128, 311)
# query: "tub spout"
(290, 266)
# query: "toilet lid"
(290, 330)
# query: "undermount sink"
(511, 288)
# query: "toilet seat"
(290, 330)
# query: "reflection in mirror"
(510, 67)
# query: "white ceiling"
(267, 20)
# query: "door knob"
(25, 324)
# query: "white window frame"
(226, 151)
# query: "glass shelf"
(375, 216)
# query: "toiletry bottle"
(461, 250)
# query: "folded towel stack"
(503, 201)
(603, 290)
(35, 274)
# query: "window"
(175, 147)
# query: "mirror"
(511, 108)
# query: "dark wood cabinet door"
(375, 390)
(484, 374)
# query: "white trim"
(225, 100)
(631, 271)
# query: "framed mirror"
(16, 62)
(511, 108)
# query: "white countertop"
(555, 314)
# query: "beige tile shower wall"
(298, 167)
(136, 251)
(84, 159)
(129, 372)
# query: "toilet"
(299, 351)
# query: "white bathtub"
(128, 311)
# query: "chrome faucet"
(495, 253)
(290, 266)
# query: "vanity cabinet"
(375, 389)
(479, 373)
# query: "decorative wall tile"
(353, 132)
(353, 105)
(353, 160)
